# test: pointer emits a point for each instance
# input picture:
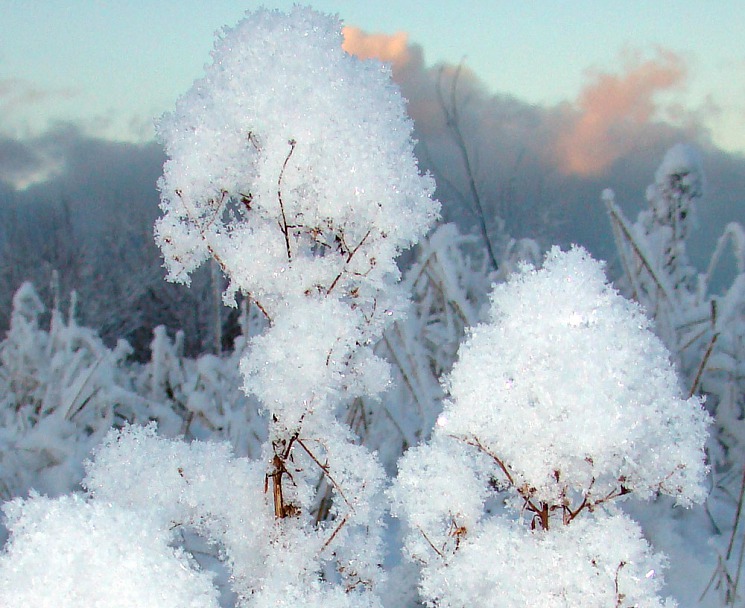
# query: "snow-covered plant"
(69, 552)
(291, 164)
(562, 402)
(657, 272)
(203, 395)
(59, 389)
(672, 198)
(703, 330)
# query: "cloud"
(29, 161)
(65, 162)
(18, 93)
(390, 48)
(18, 161)
(418, 82)
(541, 169)
(609, 116)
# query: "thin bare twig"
(737, 515)
(619, 596)
(452, 121)
(702, 366)
(326, 472)
(70, 414)
(334, 533)
(618, 219)
(350, 255)
(435, 549)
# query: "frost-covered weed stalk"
(703, 330)
(61, 389)
(656, 270)
(291, 164)
(565, 401)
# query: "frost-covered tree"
(291, 164)
(559, 410)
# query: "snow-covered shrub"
(199, 398)
(563, 408)
(69, 552)
(291, 163)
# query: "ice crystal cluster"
(567, 401)
(291, 162)
(70, 552)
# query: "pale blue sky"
(113, 66)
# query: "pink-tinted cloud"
(390, 48)
(406, 59)
(612, 111)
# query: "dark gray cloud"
(101, 181)
(18, 161)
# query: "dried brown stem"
(279, 470)
(283, 224)
(261, 308)
(619, 596)
(619, 221)
(281, 508)
(543, 510)
(334, 533)
(435, 549)
(254, 141)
